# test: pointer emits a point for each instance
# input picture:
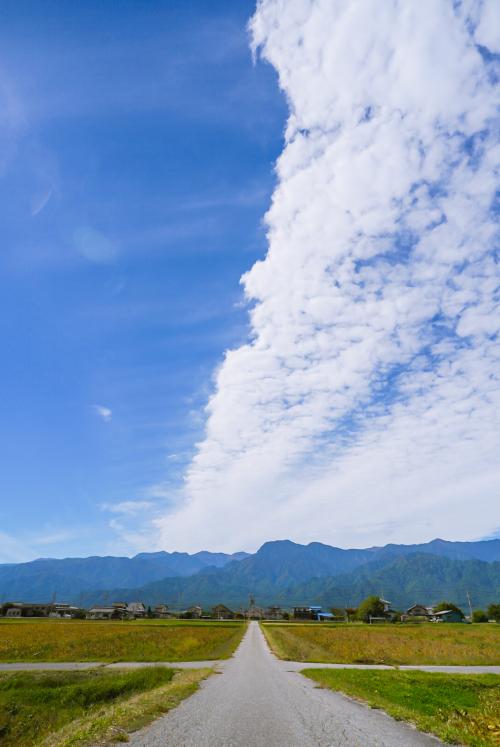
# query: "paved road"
(254, 701)
(55, 666)
(289, 666)
(298, 666)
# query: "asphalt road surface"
(255, 701)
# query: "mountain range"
(280, 572)
(42, 578)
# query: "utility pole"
(470, 605)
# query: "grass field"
(78, 708)
(68, 640)
(461, 709)
(386, 644)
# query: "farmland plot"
(427, 643)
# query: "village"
(137, 610)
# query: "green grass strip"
(77, 708)
(463, 709)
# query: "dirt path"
(255, 701)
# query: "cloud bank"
(366, 404)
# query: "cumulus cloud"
(365, 405)
(104, 412)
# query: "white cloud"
(94, 245)
(366, 404)
(104, 412)
(127, 508)
(12, 549)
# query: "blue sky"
(136, 163)
(245, 302)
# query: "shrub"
(494, 612)
(479, 616)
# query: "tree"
(479, 616)
(338, 612)
(370, 607)
(448, 606)
(149, 612)
(494, 612)
(352, 613)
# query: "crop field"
(80, 708)
(462, 709)
(68, 640)
(427, 643)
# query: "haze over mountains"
(42, 578)
(280, 572)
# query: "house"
(104, 613)
(37, 609)
(194, 612)
(254, 612)
(221, 612)
(416, 612)
(274, 613)
(325, 616)
(387, 607)
(100, 613)
(26, 609)
(117, 611)
(65, 611)
(302, 613)
(14, 611)
(449, 616)
(161, 611)
(136, 610)
(313, 612)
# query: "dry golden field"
(427, 643)
(68, 640)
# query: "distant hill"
(290, 574)
(487, 550)
(280, 571)
(39, 579)
(417, 577)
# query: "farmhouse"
(117, 611)
(136, 610)
(418, 610)
(221, 612)
(302, 613)
(450, 616)
(387, 607)
(194, 612)
(105, 613)
(254, 612)
(274, 613)
(313, 612)
(161, 611)
(27, 609)
(37, 609)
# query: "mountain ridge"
(404, 579)
(277, 571)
